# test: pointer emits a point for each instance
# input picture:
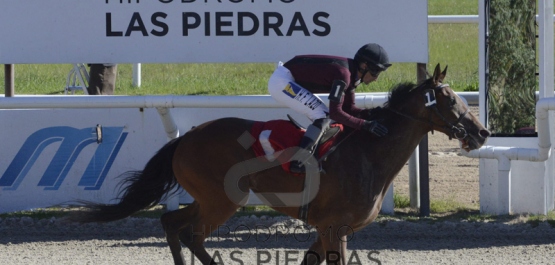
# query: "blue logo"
(72, 142)
(291, 90)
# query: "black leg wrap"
(303, 213)
(309, 141)
(303, 210)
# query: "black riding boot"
(311, 137)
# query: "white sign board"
(179, 31)
(58, 156)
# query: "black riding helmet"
(374, 56)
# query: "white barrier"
(59, 155)
(459, 19)
(519, 180)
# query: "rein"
(325, 156)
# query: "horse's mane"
(398, 96)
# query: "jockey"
(294, 82)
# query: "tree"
(512, 65)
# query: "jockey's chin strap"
(457, 130)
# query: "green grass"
(449, 205)
(259, 210)
(535, 220)
(457, 214)
(45, 213)
(401, 201)
(455, 45)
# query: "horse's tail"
(142, 189)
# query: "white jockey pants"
(282, 87)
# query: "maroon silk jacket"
(316, 73)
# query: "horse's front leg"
(336, 250)
(315, 254)
(344, 249)
(329, 249)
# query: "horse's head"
(436, 105)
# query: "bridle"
(457, 130)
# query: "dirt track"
(267, 240)
(388, 241)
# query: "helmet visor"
(377, 66)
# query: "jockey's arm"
(349, 103)
(341, 106)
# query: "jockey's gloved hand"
(374, 127)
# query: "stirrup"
(297, 167)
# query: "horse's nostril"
(485, 133)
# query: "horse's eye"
(452, 101)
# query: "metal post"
(414, 180)
(172, 202)
(547, 65)
(423, 158)
(9, 80)
(483, 11)
(424, 177)
(414, 174)
(137, 75)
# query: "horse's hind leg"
(208, 220)
(193, 226)
(174, 222)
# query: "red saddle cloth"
(276, 135)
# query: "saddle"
(276, 135)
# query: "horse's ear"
(437, 74)
(444, 73)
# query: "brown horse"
(211, 163)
